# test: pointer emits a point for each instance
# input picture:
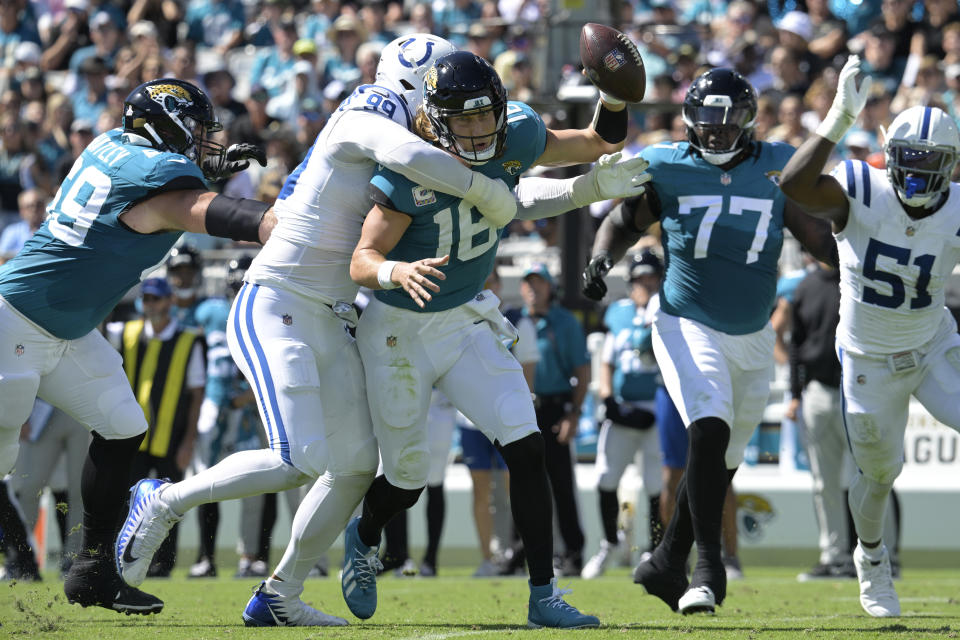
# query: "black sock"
(436, 510)
(707, 486)
(678, 536)
(209, 520)
(531, 504)
(268, 518)
(609, 508)
(61, 497)
(382, 502)
(104, 488)
(396, 546)
(654, 522)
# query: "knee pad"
(878, 459)
(525, 453)
(8, 455)
(17, 393)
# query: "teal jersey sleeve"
(81, 262)
(443, 224)
(722, 234)
(619, 315)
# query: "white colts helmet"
(404, 63)
(922, 146)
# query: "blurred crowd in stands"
(276, 68)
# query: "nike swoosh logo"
(126, 552)
(180, 160)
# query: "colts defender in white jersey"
(898, 234)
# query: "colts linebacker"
(898, 233)
(125, 202)
(723, 218)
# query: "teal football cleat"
(359, 577)
(548, 609)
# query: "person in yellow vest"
(165, 364)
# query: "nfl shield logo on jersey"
(18, 350)
(287, 319)
(423, 196)
(391, 341)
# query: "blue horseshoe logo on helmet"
(426, 56)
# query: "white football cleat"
(877, 594)
(148, 522)
(267, 608)
(698, 600)
(598, 563)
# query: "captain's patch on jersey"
(423, 196)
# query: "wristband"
(835, 125)
(611, 126)
(384, 273)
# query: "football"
(612, 62)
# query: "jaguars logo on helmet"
(175, 116)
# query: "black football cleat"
(93, 582)
(665, 582)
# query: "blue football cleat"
(359, 577)
(267, 608)
(148, 522)
(548, 609)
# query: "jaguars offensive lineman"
(897, 232)
(449, 336)
(722, 217)
(124, 203)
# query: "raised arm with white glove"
(847, 104)
(611, 177)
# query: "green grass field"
(768, 604)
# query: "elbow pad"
(492, 198)
(235, 218)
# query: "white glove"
(492, 198)
(610, 178)
(847, 104)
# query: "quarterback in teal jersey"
(124, 203)
(451, 334)
(722, 217)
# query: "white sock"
(245, 473)
(868, 502)
(321, 517)
(873, 555)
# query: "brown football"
(612, 62)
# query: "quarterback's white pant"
(406, 353)
(618, 446)
(82, 377)
(709, 373)
(306, 374)
(876, 400)
(441, 421)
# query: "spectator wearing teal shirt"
(563, 356)
(215, 23)
(273, 67)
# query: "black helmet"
(462, 83)
(720, 110)
(176, 116)
(644, 263)
(235, 270)
(184, 255)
